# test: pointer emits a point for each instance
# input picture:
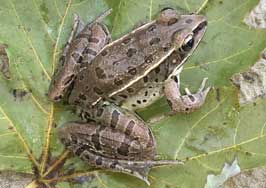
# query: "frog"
(107, 81)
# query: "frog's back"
(123, 63)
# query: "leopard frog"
(106, 81)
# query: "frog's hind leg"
(184, 103)
(126, 122)
(106, 148)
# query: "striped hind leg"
(107, 148)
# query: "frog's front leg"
(117, 140)
(184, 103)
(77, 26)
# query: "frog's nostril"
(200, 27)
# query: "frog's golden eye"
(188, 43)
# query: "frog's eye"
(188, 43)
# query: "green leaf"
(36, 31)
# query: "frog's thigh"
(103, 141)
(126, 122)
(184, 103)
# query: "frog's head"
(61, 83)
(189, 33)
(186, 31)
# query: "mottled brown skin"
(133, 71)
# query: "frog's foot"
(77, 26)
(184, 103)
(139, 169)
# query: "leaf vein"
(29, 40)
(62, 22)
(193, 126)
(23, 141)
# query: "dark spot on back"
(104, 53)
(166, 47)
(130, 90)
(118, 81)
(97, 90)
(123, 96)
(99, 112)
(123, 149)
(132, 70)
(138, 101)
(115, 118)
(146, 93)
(126, 40)
(157, 70)
(155, 41)
(100, 73)
(131, 52)
(93, 40)
(148, 59)
(145, 79)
